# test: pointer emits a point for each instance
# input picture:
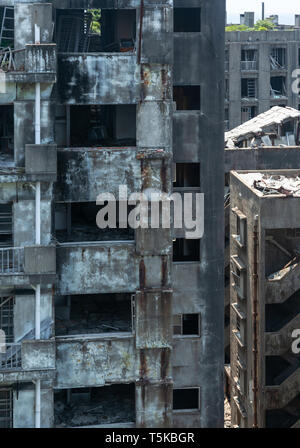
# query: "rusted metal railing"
(11, 260)
(10, 356)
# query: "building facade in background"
(109, 327)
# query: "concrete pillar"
(234, 85)
(264, 77)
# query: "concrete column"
(264, 77)
(234, 85)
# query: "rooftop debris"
(270, 184)
(279, 126)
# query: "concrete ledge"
(40, 58)
(41, 160)
(40, 260)
(38, 354)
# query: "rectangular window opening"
(7, 317)
(278, 86)
(186, 250)
(6, 225)
(7, 26)
(187, 20)
(95, 30)
(88, 407)
(248, 87)
(248, 113)
(93, 314)
(187, 175)
(6, 408)
(76, 222)
(278, 58)
(187, 97)
(186, 399)
(103, 126)
(6, 134)
(249, 59)
(186, 324)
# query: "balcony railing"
(10, 356)
(11, 260)
(249, 65)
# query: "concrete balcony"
(249, 65)
(88, 71)
(283, 284)
(94, 263)
(277, 397)
(102, 359)
(27, 360)
(41, 162)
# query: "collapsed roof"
(270, 184)
(267, 129)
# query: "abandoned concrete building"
(259, 69)
(269, 141)
(109, 327)
(265, 285)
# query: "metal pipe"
(38, 403)
(38, 213)
(263, 10)
(38, 312)
(255, 322)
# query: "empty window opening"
(286, 417)
(7, 318)
(278, 58)
(96, 30)
(248, 113)
(187, 398)
(185, 250)
(281, 253)
(92, 126)
(6, 134)
(277, 315)
(94, 406)
(279, 368)
(187, 20)
(187, 97)
(6, 27)
(93, 314)
(278, 86)
(76, 222)
(6, 408)
(248, 88)
(186, 324)
(187, 175)
(6, 225)
(249, 60)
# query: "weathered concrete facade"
(124, 288)
(264, 299)
(257, 64)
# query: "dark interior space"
(94, 406)
(279, 368)
(95, 30)
(6, 408)
(277, 315)
(76, 222)
(92, 314)
(286, 417)
(6, 133)
(6, 225)
(278, 86)
(92, 126)
(190, 324)
(281, 251)
(186, 324)
(187, 20)
(248, 88)
(187, 175)
(186, 399)
(186, 250)
(187, 97)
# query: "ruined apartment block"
(259, 69)
(109, 327)
(264, 298)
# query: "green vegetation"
(261, 25)
(96, 18)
